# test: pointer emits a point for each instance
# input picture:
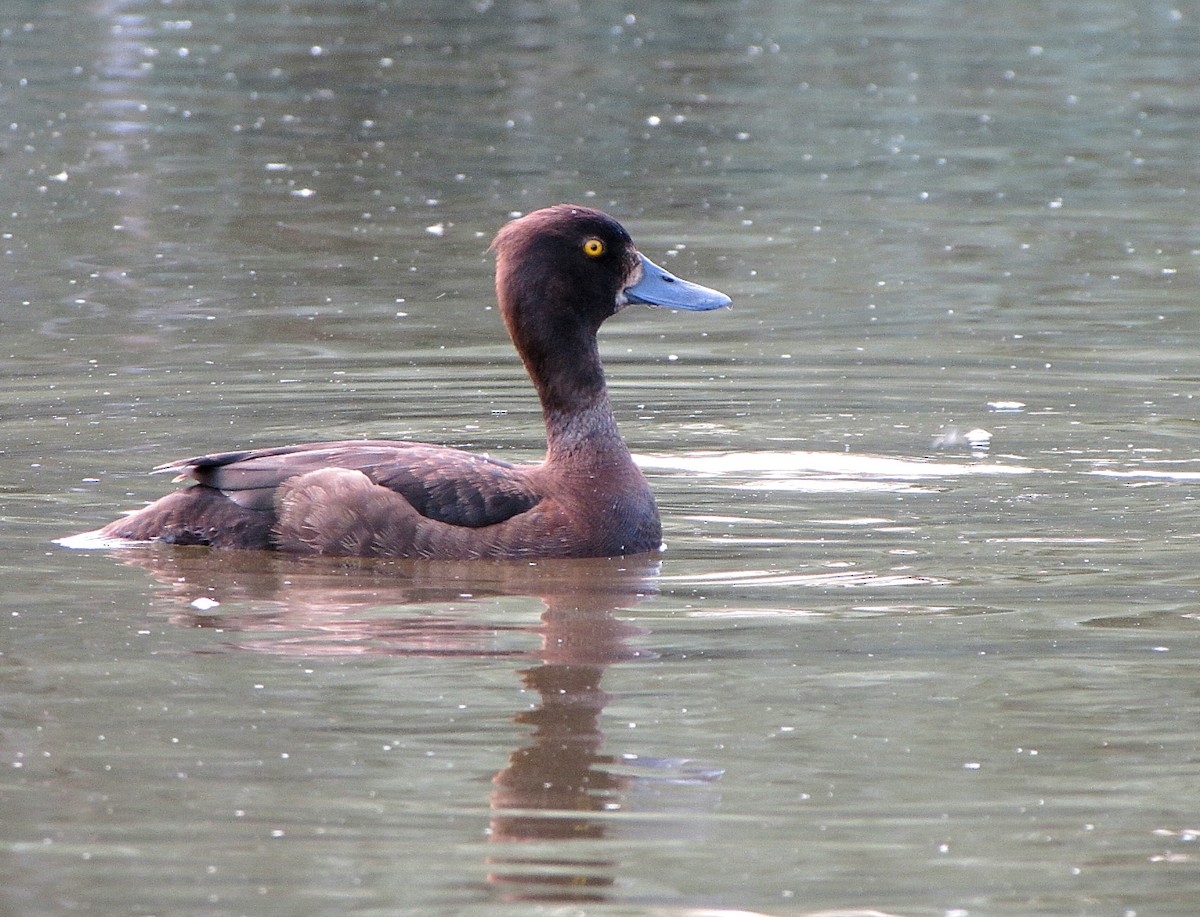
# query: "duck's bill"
(659, 287)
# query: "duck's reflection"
(556, 784)
(558, 787)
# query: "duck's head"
(560, 272)
(574, 265)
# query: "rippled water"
(923, 639)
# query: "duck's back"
(397, 499)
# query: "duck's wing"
(447, 485)
(457, 487)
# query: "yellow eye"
(593, 248)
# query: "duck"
(561, 272)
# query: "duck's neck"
(585, 435)
(580, 427)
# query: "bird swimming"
(560, 273)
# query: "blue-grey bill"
(659, 287)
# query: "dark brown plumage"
(560, 272)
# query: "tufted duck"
(560, 272)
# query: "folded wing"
(442, 484)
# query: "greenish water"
(868, 675)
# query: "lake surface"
(924, 639)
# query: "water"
(868, 674)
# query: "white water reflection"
(825, 472)
(846, 579)
(1148, 475)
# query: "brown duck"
(560, 272)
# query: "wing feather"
(444, 484)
